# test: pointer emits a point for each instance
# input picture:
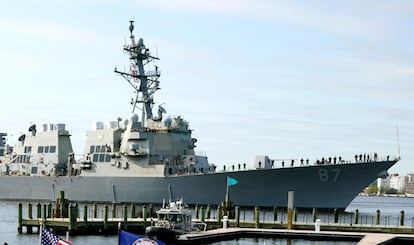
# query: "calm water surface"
(389, 207)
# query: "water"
(390, 208)
(387, 205)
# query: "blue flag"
(127, 238)
(231, 181)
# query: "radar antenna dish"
(160, 108)
(131, 27)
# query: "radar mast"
(144, 83)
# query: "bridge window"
(92, 149)
(101, 157)
(27, 149)
(46, 149)
(22, 159)
(52, 149)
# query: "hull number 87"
(331, 175)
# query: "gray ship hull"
(327, 186)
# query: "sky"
(287, 79)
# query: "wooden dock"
(109, 224)
(89, 219)
(359, 237)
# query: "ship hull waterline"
(323, 186)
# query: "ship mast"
(144, 83)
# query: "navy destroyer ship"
(137, 159)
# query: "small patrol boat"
(174, 220)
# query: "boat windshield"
(172, 217)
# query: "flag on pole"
(49, 238)
(127, 238)
(231, 181)
(134, 71)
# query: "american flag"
(134, 71)
(50, 238)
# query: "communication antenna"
(398, 142)
(170, 192)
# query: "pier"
(360, 238)
(65, 217)
(85, 219)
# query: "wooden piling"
(39, 210)
(256, 217)
(150, 210)
(20, 218)
(105, 223)
(72, 219)
(49, 210)
(291, 195)
(85, 214)
(219, 213)
(314, 214)
(44, 211)
(202, 214)
(356, 217)
(113, 210)
(125, 217)
(378, 217)
(95, 211)
(133, 215)
(29, 229)
(77, 210)
(274, 214)
(196, 211)
(402, 218)
(295, 215)
(62, 206)
(237, 214)
(144, 215)
(29, 211)
(208, 211)
(289, 219)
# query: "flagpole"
(40, 233)
(119, 233)
(227, 190)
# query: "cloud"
(333, 20)
(49, 31)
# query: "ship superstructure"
(45, 153)
(3, 146)
(143, 144)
